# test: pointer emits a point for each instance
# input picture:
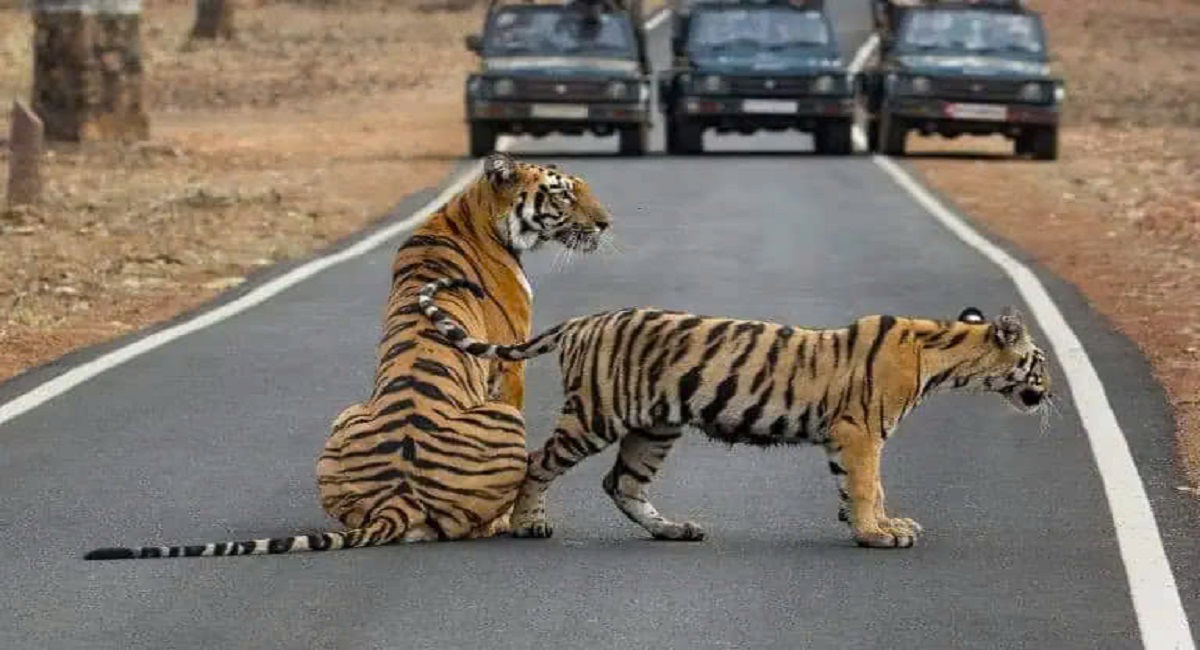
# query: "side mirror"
(474, 43)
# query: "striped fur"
(638, 376)
(438, 449)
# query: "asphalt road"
(214, 437)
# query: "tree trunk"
(25, 156)
(214, 19)
(87, 81)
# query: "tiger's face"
(1014, 365)
(545, 204)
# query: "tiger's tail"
(453, 330)
(375, 534)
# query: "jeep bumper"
(972, 116)
(767, 108)
(547, 113)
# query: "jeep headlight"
(713, 83)
(503, 87)
(823, 84)
(1032, 92)
(1060, 93)
(617, 90)
(920, 85)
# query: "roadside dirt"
(1119, 214)
(312, 125)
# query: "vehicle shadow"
(969, 156)
(662, 155)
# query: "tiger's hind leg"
(470, 477)
(570, 443)
(641, 456)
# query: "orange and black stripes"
(637, 376)
(437, 451)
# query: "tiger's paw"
(685, 531)
(880, 538)
(901, 526)
(536, 529)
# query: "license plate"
(768, 106)
(560, 111)
(977, 112)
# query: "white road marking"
(79, 374)
(1163, 623)
(1156, 601)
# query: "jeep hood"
(557, 66)
(973, 66)
(765, 62)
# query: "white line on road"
(1156, 601)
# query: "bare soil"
(1119, 214)
(316, 121)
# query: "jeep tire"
(684, 138)
(1043, 143)
(834, 138)
(632, 140)
(483, 139)
(892, 132)
(873, 135)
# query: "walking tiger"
(638, 376)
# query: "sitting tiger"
(438, 450)
(640, 375)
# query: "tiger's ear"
(971, 315)
(1010, 328)
(499, 168)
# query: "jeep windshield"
(554, 31)
(972, 33)
(759, 28)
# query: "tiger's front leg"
(854, 458)
(507, 383)
(899, 525)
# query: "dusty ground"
(320, 118)
(1119, 214)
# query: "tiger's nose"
(601, 226)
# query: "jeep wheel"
(892, 133)
(483, 139)
(1023, 144)
(873, 135)
(632, 140)
(1043, 143)
(834, 138)
(684, 139)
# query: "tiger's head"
(542, 203)
(1000, 357)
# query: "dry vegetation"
(313, 124)
(1119, 214)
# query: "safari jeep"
(964, 68)
(742, 66)
(559, 68)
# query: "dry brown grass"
(316, 121)
(1119, 214)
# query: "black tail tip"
(110, 554)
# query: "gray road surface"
(214, 437)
